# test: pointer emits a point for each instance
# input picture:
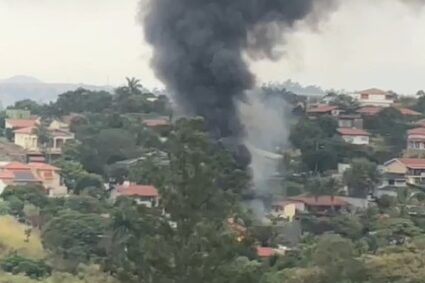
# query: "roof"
(412, 163)
(138, 190)
(369, 110)
(322, 108)
(6, 174)
(28, 131)
(352, 132)
(16, 166)
(60, 133)
(156, 122)
(320, 200)
(24, 176)
(22, 123)
(408, 112)
(374, 91)
(42, 166)
(265, 252)
(416, 131)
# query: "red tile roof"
(16, 166)
(138, 190)
(322, 108)
(408, 112)
(369, 110)
(416, 131)
(28, 131)
(156, 122)
(21, 123)
(6, 175)
(352, 132)
(42, 166)
(413, 163)
(321, 200)
(265, 252)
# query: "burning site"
(212, 141)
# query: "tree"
(335, 256)
(133, 85)
(71, 172)
(28, 104)
(361, 178)
(74, 237)
(345, 103)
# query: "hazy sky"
(362, 45)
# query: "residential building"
(354, 136)
(321, 204)
(144, 194)
(59, 138)
(26, 138)
(50, 177)
(350, 121)
(370, 111)
(399, 172)
(58, 125)
(373, 97)
(416, 139)
(286, 209)
(16, 173)
(161, 122)
(322, 109)
(265, 252)
(15, 124)
(420, 123)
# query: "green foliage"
(361, 178)
(84, 204)
(17, 196)
(74, 237)
(345, 103)
(32, 268)
(88, 181)
(4, 207)
(348, 226)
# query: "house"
(26, 138)
(350, 121)
(354, 136)
(50, 178)
(145, 194)
(420, 123)
(321, 204)
(58, 125)
(161, 122)
(370, 111)
(322, 109)
(265, 252)
(373, 97)
(416, 139)
(15, 124)
(286, 209)
(402, 171)
(17, 173)
(59, 138)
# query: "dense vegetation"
(88, 237)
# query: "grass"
(12, 238)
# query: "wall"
(395, 167)
(373, 100)
(26, 141)
(360, 140)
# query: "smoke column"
(199, 48)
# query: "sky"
(364, 44)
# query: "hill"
(22, 87)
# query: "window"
(391, 182)
(364, 96)
(388, 97)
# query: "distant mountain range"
(23, 87)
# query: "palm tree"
(133, 85)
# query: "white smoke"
(265, 120)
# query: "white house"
(373, 97)
(354, 136)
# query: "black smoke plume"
(199, 47)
